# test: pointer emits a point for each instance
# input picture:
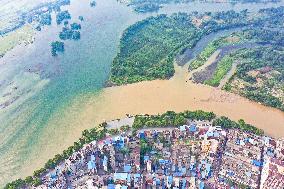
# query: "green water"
(83, 68)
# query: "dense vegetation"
(171, 118)
(168, 119)
(226, 123)
(45, 19)
(56, 47)
(213, 47)
(222, 69)
(93, 3)
(70, 33)
(61, 16)
(260, 76)
(81, 18)
(148, 48)
(144, 6)
(75, 26)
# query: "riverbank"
(149, 97)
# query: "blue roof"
(142, 135)
(208, 167)
(120, 176)
(91, 165)
(221, 179)
(127, 168)
(110, 186)
(146, 158)
(93, 158)
(128, 178)
(183, 183)
(203, 174)
(170, 179)
(248, 174)
(257, 163)
(201, 185)
(269, 153)
(209, 134)
(158, 181)
(230, 173)
(216, 134)
(53, 175)
(107, 141)
(137, 175)
(182, 128)
(192, 128)
(155, 134)
(161, 161)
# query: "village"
(196, 155)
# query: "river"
(55, 98)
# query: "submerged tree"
(93, 3)
(57, 46)
(64, 15)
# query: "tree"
(36, 182)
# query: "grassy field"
(223, 68)
(212, 47)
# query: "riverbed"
(60, 97)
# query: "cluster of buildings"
(196, 155)
(242, 158)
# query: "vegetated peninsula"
(148, 49)
(189, 149)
